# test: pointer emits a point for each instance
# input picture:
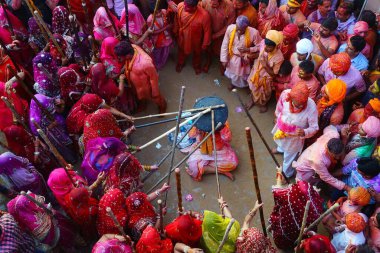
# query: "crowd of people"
(73, 72)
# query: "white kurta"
(341, 240)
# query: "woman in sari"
(109, 59)
(269, 17)
(65, 45)
(60, 21)
(138, 31)
(77, 9)
(46, 76)
(36, 39)
(150, 242)
(330, 105)
(363, 143)
(361, 114)
(185, 229)
(71, 86)
(100, 156)
(124, 174)
(110, 243)
(141, 212)
(202, 161)
(213, 228)
(115, 200)
(5, 74)
(55, 131)
(22, 174)
(103, 27)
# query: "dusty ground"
(240, 194)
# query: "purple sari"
(58, 134)
(100, 155)
(22, 174)
(46, 78)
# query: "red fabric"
(185, 229)
(288, 46)
(69, 81)
(77, 9)
(115, 200)
(19, 141)
(318, 244)
(102, 85)
(4, 61)
(287, 214)
(150, 242)
(86, 105)
(306, 11)
(300, 94)
(100, 124)
(124, 174)
(53, 49)
(340, 63)
(21, 107)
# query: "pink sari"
(108, 57)
(103, 26)
(271, 19)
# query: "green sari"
(213, 229)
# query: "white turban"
(304, 46)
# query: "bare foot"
(263, 109)
(229, 175)
(275, 151)
(179, 68)
(250, 105)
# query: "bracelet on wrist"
(186, 249)
(158, 193)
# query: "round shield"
(220, 114)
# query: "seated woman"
(202, 161)
(111, 243)
(252, 239)
(214, 227)
(185, 230)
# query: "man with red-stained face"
(244, 7)
(192, 26)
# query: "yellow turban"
(336, 90)
(359, 195)
(274, 36)
(375, 104)
(294, 3)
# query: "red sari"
(71, 86)
(150, 242)
(185, 229)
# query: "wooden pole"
(160, 206)
(155, 13)
(303, 223)
(180, 108)
(179, 191)
(19, 119)
(47, 210)
(126, 20)
(117, 224)
(316, 222)
(215, 155)
(185, 158)
(255, 177)
(31, 9)
(226, 233)
(117, 32)
(259, 132)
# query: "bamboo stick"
(227, 232)
(179, 191)
(215, 155)
(117, 224)
(47, 210)
(155, 13)
(303, 223)
(159, 202)
(316, 222)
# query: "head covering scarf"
(111, 246)
(124, 174)
(102, 24)
(102, 85)
(294, 4)
(300, 94)
(340, 63)
(359, 195)
(375, 104)
(136, 21)
(20, 141)
(18, 26)
(108, 57)
(355, 222)
(270, 10)
(360, 26)
(66, 49)
(35, 34)
(253, 240)
(114, 199)
(318, 244)
(141, 213)
(45, 84)
(371, 127)
(291, 31)
(100, 156)
(185, 229)
(60, 184)
(335, 89)
(22, 174)
(304, 46)
(70, 83)
(242, 21)
(274, 36)
(86, 105)
(60, 21)
(81, 48)
(101, 124)
(213, 229)
(150, 242)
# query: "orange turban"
(299, 93)
(359, 195)
(355, 222)
(375, 104)
(336, 90)
(340, 63)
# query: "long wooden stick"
(47, 210)
(159, 122)
(215, 155)
(160, 206)
(316, 222)
(186, 157)
(37, 16)
(173, 129)
(180, 108)
(179, 190)
(226, 233)
(303, 223)
(255, 177)
(155, 13)
(18, 117)
(117, 32)
(117, 224)
(126, 20)
(259, 132)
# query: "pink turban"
(291, 31)
(360, 26)
(371, 127)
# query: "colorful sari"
(5, 75)
(57, 134)
(86, 105)
(111, 246)
(35, 36)
(61, 22)
(108, 57)
(141, 214)
(124, 174)
(115, 200)
(213, 229)
(102, 25)
(185, 229)
(358, 147)
(65, 44)
(252, 240)
(71, 86)
(22, 174)
(100, 156)
(271, 19)
(45, 82)
(79, 12)
(150, 242)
